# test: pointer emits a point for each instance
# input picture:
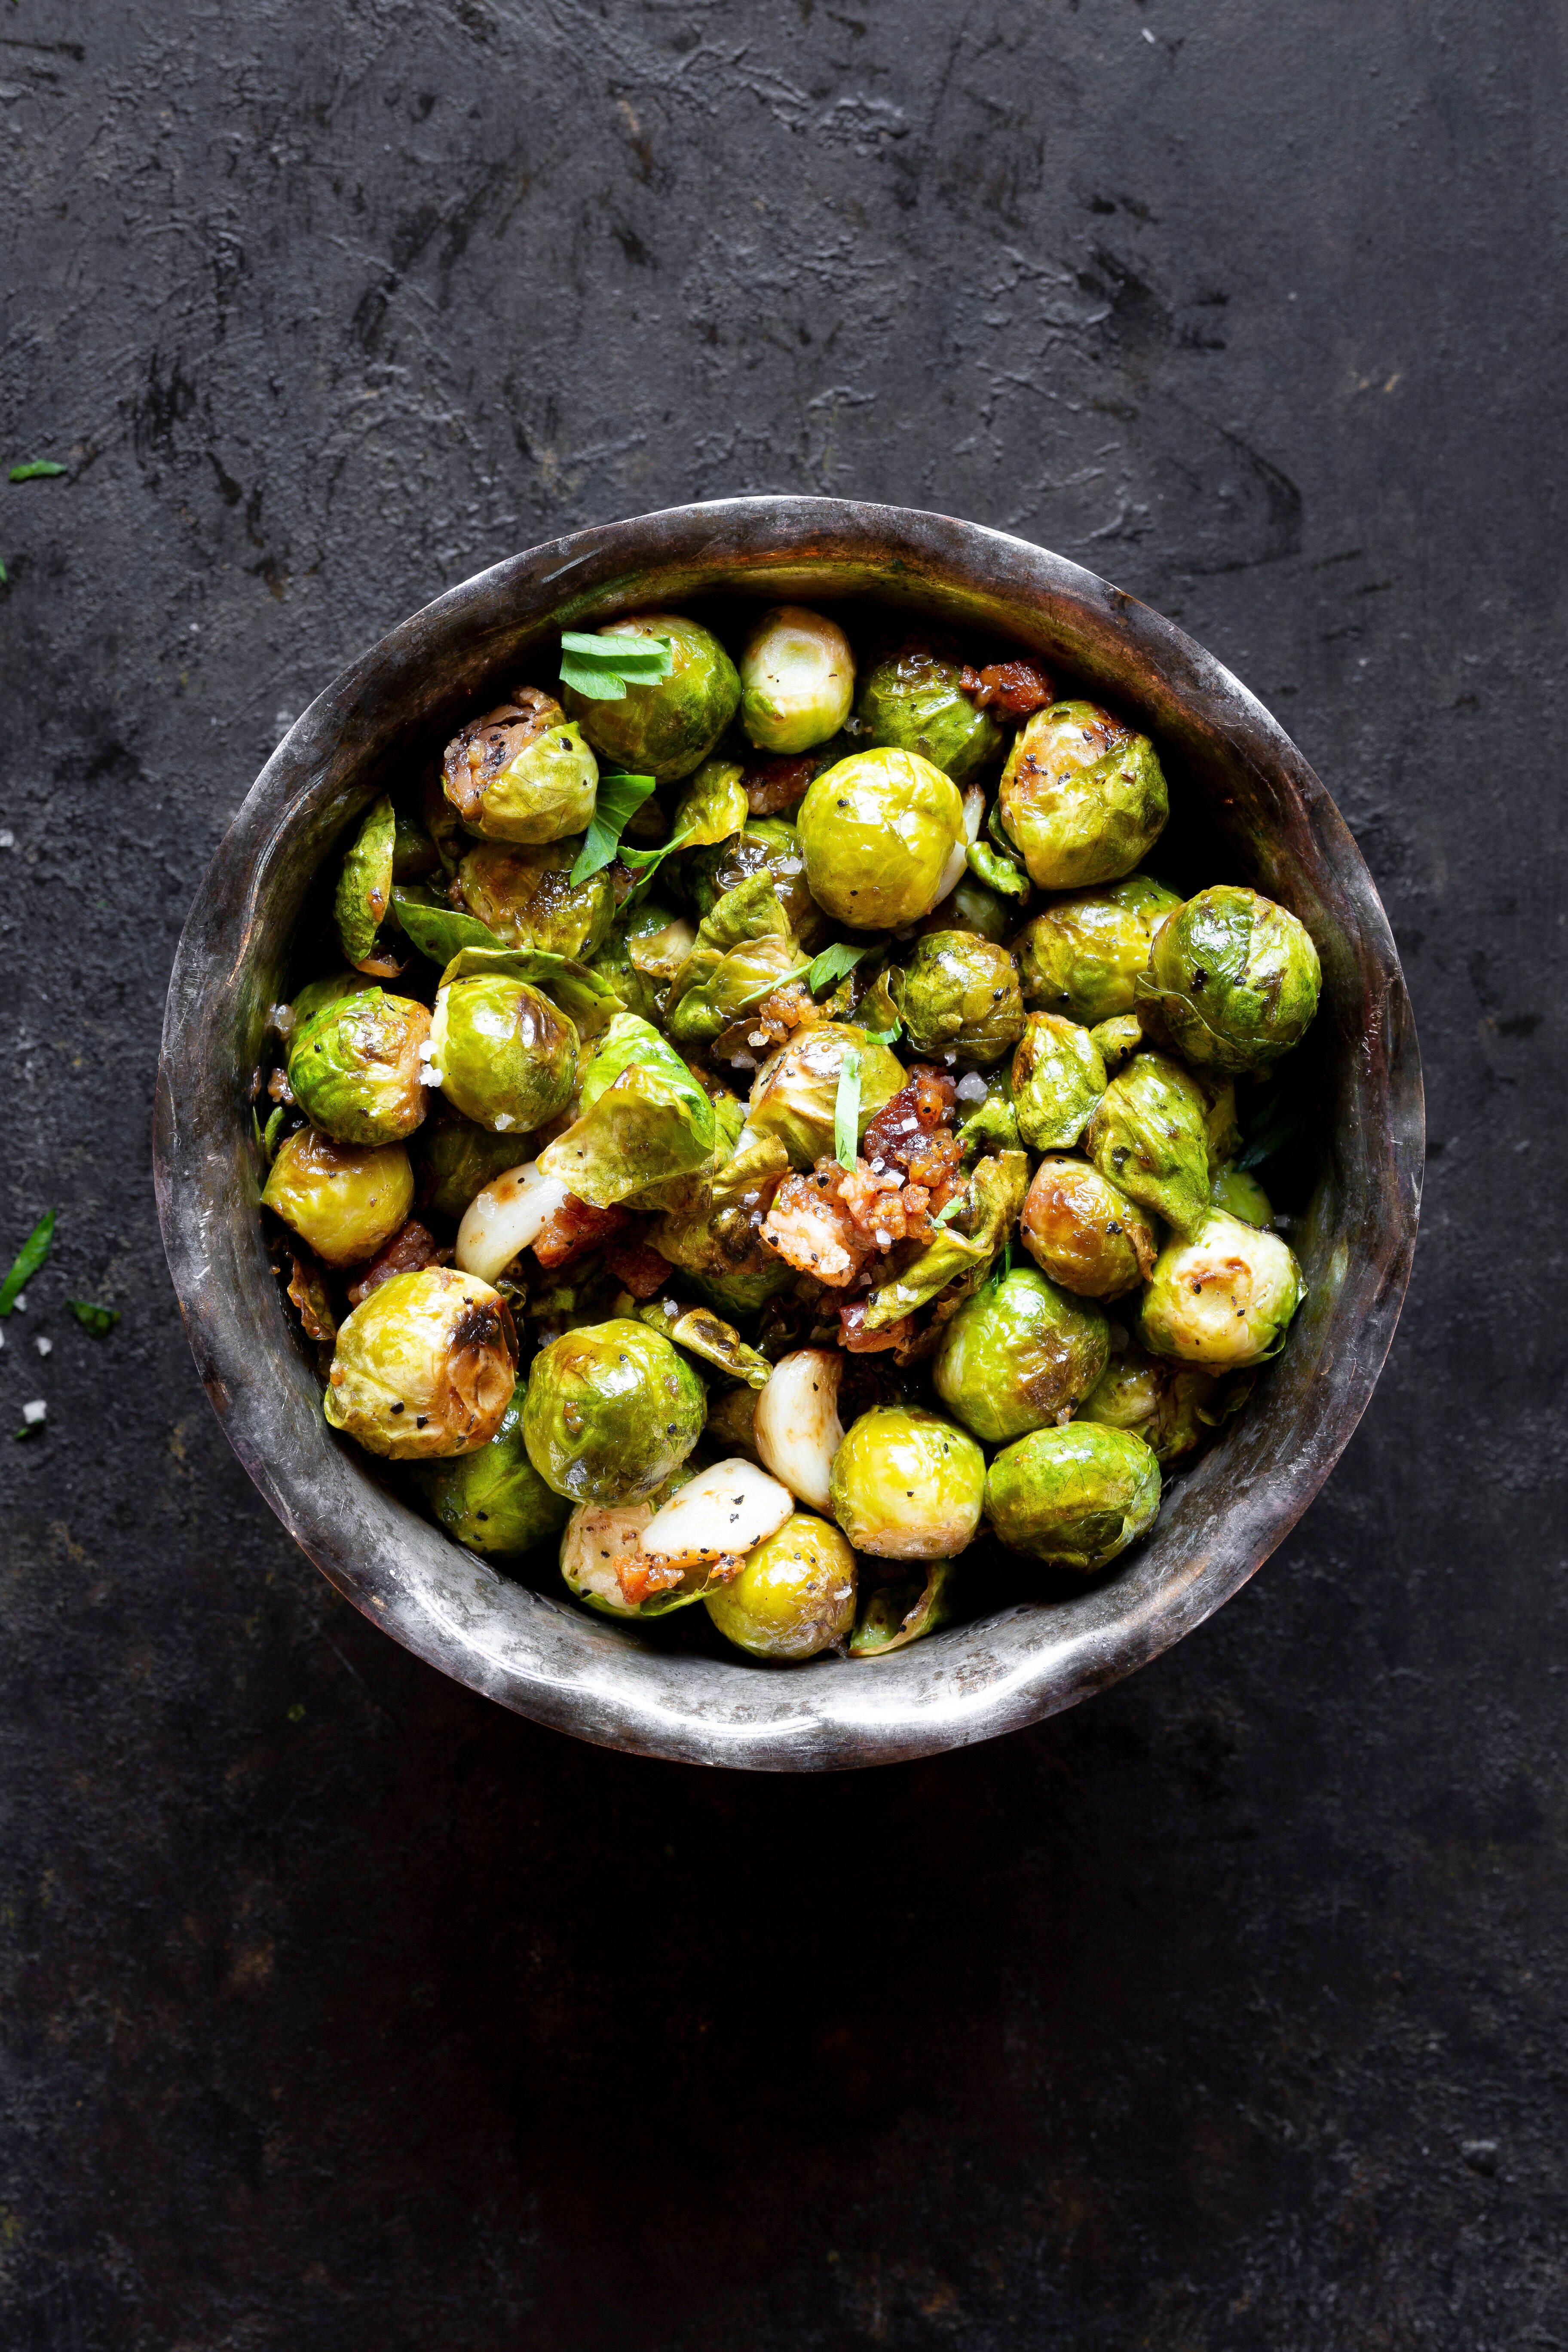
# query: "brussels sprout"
(903, 1611)
(963, 1249)
(912, 703)
(1223, 1297)
(793, 1596)
(743, 1293)
(356, 1067)
(1081, 796)
(1234, 978)
(611, 1409)
(1150, 1136)
(505, 1057)
(972, 907)
(1116, 1038)
(415, 856)
(341, 1199)
(495, 1500)
(766, 845)
(603, 1543)
(908, 1485)
(797, 680)
(667, 728)
(1018, 1354)
(986, 1120)
(522, 772)
(795, 1092)
(425, 1367)
(642, 955)
(881, 831)
(743, 953)
(1085, 1231)
(1222, 1128)
(1169, 1406)
(526, 896)
(365, 889)
(1084, 954)
(958, 996)
(644, 1120)
(1241, 1195)
(1058, 1078)
(455, 1160)
(1075, 1496)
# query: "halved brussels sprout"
(1150, 1136)
(766, 845)
(1241, 1195)
(1235, 979)
(793, 1596)
(603, 1544)
(644, 1120)
(644, 951)
(795, 1090)
(1172, 1407)
(880, 830)
(343, 1200)
(356, 1067)
(1084, 1231)
(1074, 1496)
(365, 889)
(425, 1367)
(522, 772)
(454, 1160)
(743, 953)
(958, 994)
(912, 701)
(908, 1485)
(1081, 795)
(1084, 954)
(495, 1500)
(668, 728)
(1223, 1297)
(797, 680)
(1058, 1078)
(502, 1053)
(611, 1409)
(527, 897)
(1017, 1355)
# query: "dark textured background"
(343, 2011)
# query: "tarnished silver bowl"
(605, 1681)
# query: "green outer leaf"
(896, 1614)
(100, 1320)
(617, 800)
(707, 1336)
(440, 932)
(365, 879)
(835, 962)
(847, 1110)
(29, 1258)
(270, 1133)
(37, 469)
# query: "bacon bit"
(811, 1230)
(854, 1335)
(411, 1248)
(638, 1269)
(278, 1087)
(307, 1289)
(574, 1227)
(1011, 690)
(779, 782)
(639, 1578)
(775, 1020)
(913, 1131)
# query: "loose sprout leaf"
(440, 932)
(616, 802)
(29, 1258)
(100, 1320)
(847, 1110)
(835, 962)
(271, 1134)
(37, 469)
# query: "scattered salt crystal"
(20, 1302)
(883, 1240)
(7, 839)
(972, 1088)
(503, 1122)
(33, 1413)
(45, 1347)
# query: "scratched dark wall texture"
(341, 2010)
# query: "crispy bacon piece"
(411, 1248)
(854, 1335)
(574, 1227)
(778, 782)
(640, 1578)
(1009, 689)
(638, 1269)
(810, 1228)
(906, 1125)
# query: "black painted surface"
(343, 2010)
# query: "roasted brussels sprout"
(912, 701)
(1017, 1355)
(1058, 1078)
(522, 772)
(908, 1485)
(743, 952)
(644, 1121)
(603, 1545)
(1074, 1496)
(958, 996)
(972, 907)
(343, 1200)
(905, 1608)
(794, 1594)
(611, 1409)
(797, 680)
(766, 845)
(425, 1367)
(642, 955)
(1234, 978)
(1081, 795)
(1224, 1296)
(987, 1119)
(415, 856)
(454, 1160)
(794, 1093)
(666, 729)
(1150, 1136)
(1116, 1038)
(527, 897)
(1240, 1194)
(364, 888)
(884, 838)
(356, 1067)
(495, 1500)
(1084, 1231)
(1084, 954)
(1172, 1407)
(502, 1053)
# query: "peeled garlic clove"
(721, 1514)
(506, 1217)
(796, 1425)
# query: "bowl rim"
(591, 1676)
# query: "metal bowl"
(604, 1681)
